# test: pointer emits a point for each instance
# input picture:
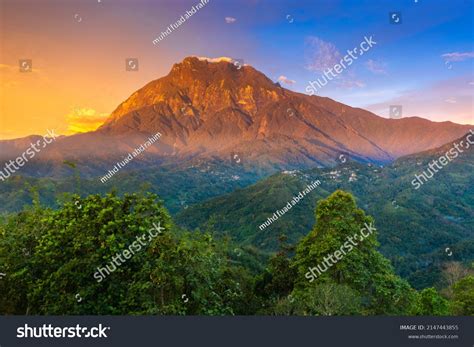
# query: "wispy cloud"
(457, 56)
(16, 68)
(319, 54)
(450, 100)
(443, 100)
(286, 80)
(322, 55)
(376, 67)
(230, 20)
(351, 83)
(11, 77)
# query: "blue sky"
(405, 67)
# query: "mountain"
(216, 109)
(418, 228)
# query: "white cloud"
(376, 67)
(457, 56)
(216, 60)
(320, 55)
(349, 84)
(286, 80)
(230, 20)
(451, 100)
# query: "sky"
(74, 53)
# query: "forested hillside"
(51, 260)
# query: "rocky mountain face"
(217, 109)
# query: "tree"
(453, 271)
(430, 303)
(346, 236)
(463, 296)
(66, 261)
(327, 299)
(277, 280)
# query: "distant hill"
(416, 226)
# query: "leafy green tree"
(69, 245)
(53, 259)
(430, 303)
(359, 265)
(187, 278)
(463, 296)
(19, 237)
(277, 280)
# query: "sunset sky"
(78, 50)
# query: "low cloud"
(230, 20)
(216, 60)
(286, 80)
(84, 119)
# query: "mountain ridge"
(216, 109)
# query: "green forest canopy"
(49, 258)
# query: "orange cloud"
(84, 119)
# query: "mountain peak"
(213, 83)
(224, 68)
(202, 63)
(215, 107)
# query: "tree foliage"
(52, 257)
